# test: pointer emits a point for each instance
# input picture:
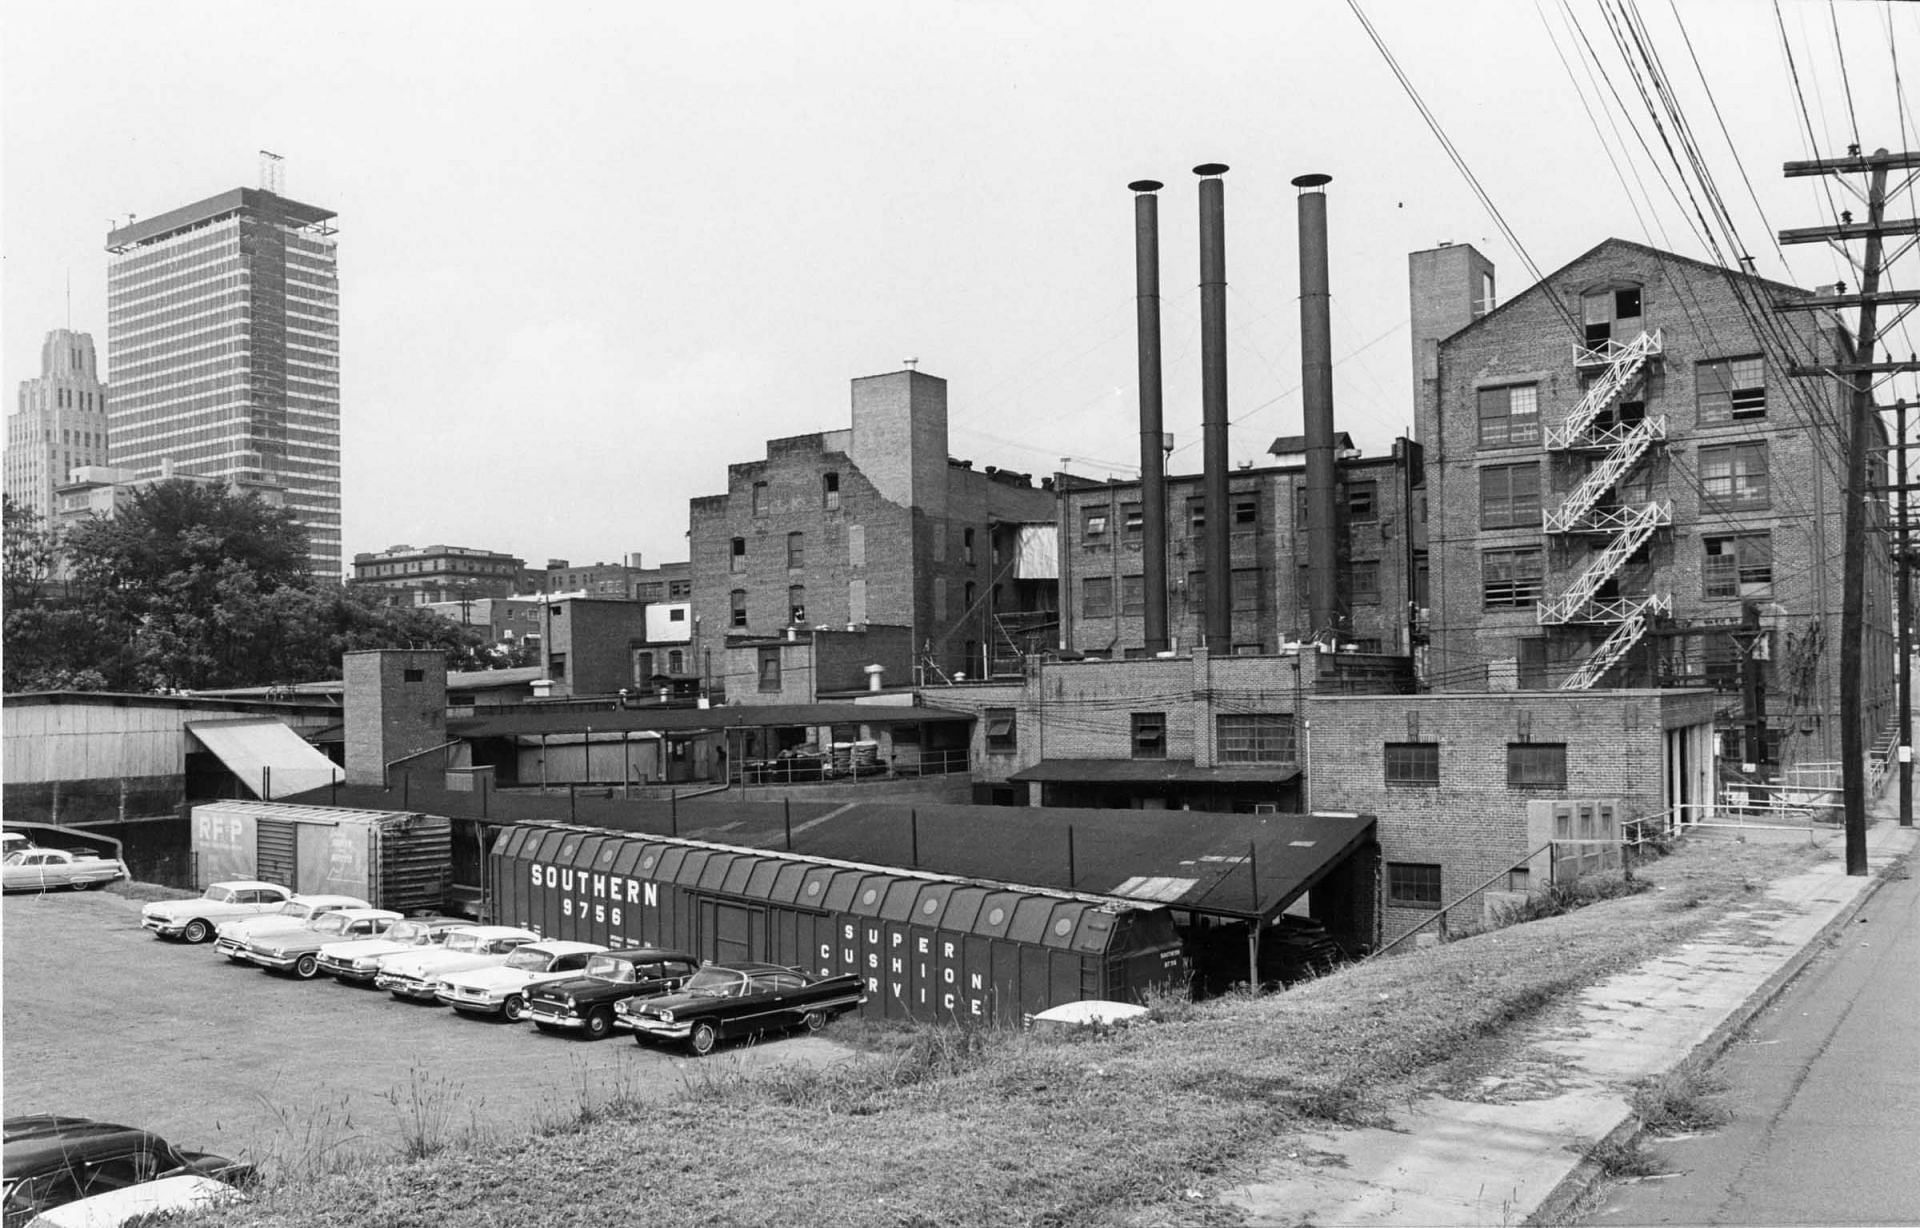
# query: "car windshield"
(607, 968)
(716, 983)
(332, 923)
(17, 859)
(465, 942)
(528, 959)
(221, 895)
(409, 932)
(294, 908)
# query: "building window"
(642, 666)
(738, 599)
(1512, 579)
(1196, 517)
(1096, 597)
(1246, 511)
(1003, 730)
(679, 590)
(1363, 505)
(796, 603)
(1416, 764)
(1133, 595)
(1246, 590)
(1366, 583)
(1530, 662)
(1510, 496)
(1413, 885)
(1253, 737)
(1149, 735)
(1739, 565)
(1734, 475)
(1197, 592)
(769, 669)
(796, 551)
(1094, 524)
(966, 546)
(830, 491)
(676, 662)
(1602, 310)
(738, 555)
(1536, 765)
(759, 498)
(1727, 389)
(557, 666)
(1510, 416)
(1132, 522)
(676, 616)
(413, 675)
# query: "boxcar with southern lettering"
(931, 947)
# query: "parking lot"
(101, 1019)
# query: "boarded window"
(770, 669)
(796, 550)
(1365, 578)
(737, 555)
(1096, 597)
(737, 607)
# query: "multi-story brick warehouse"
(1102, 532)
(872, 524)
(1619, 468)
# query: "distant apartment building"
(439, 573)
(58, 425)
(872, 524)
(1621, 471)
(1102, 534)
(628, 579)
(223, 340)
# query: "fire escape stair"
(1632, 629)
(1624, 363)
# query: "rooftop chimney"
(1213, 404)
(1325, 609)
(1153, 483)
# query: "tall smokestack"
(1153, 475)
(1213, 404)
(1316, 391)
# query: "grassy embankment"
(931, 1126)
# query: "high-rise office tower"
(223, 340)
(59, 425)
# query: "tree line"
(192, 587)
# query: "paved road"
(1823, 1089)
(101, 1019)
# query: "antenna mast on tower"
(271, 178)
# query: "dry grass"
(931, 1126)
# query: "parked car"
(35, 869)
(52, 1160)
(585, 1003)
(358, 962)
(723, 1001)
(147, 1203)
(195, 920)
(298, 951)
(416, 974)
(292, 915)
(502, 989)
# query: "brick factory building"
(874, 524)
(1620, 469)
(1102, 532)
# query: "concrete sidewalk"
(1517, 1156)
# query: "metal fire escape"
(1619, 446)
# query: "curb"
(1586, 1175)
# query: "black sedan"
(723, 1001)
(586, 1003)
(52, 1161)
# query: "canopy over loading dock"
(266, 756)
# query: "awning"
(268, 757)
(1152, 771)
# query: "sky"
(592, 254)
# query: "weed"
(1682, 1102)
(427, 1114)
(1562, 898)
(308, 1140)
(1623, 1160)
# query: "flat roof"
(1237, 865)
(531, 719)
(161, 225)
(1152, 771)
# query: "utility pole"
(1857, 371)
(1904, 642)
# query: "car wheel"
(307, 967)
(815, 1020)
(197, 932)
(514, 1009)
(95, 885)
(702, 1039)
(599, 1023)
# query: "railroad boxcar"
(931, 947)
(395, 859)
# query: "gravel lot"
(99, 1018)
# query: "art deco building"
(59, 425)
(223, 338)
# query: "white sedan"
(32, 869)
(292, 915)
(415, 974)
(502, 990)
(195, 920)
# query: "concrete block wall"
(395, 705)
(1473, 824)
